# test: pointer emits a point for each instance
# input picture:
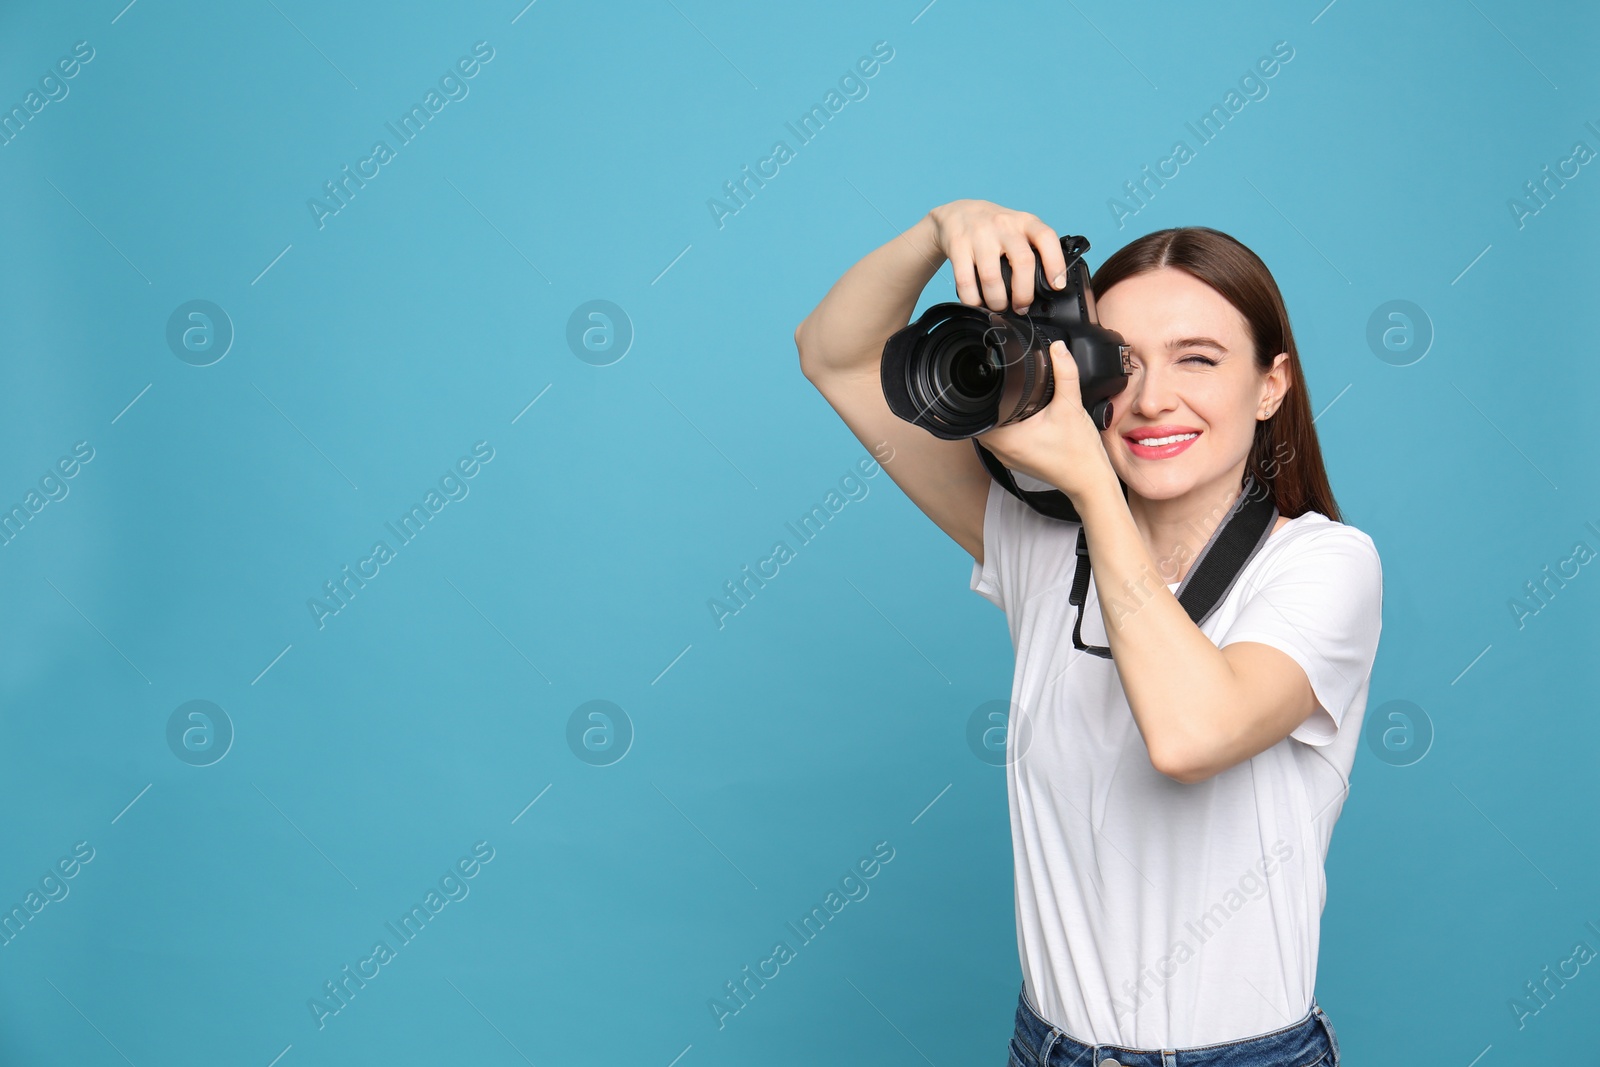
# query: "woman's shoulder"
(1314, 532)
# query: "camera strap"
(1235, 541)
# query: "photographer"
(1144, 780)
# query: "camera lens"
(974, 372)
(966, 370)
(971, 370)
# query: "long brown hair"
(1285, 455)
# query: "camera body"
(959, 371)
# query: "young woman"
(1171, 803)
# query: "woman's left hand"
(1060, 443)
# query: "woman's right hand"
(973, 234)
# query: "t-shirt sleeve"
(986, 580)
(1322, 605)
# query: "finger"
(1049, 244)
(986, 257)
(966, 276)
(1062, 365)
(1020, 254)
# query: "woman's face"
(1194, 378)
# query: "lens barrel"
(974, 370)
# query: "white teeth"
(1156, 442)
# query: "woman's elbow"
(806, 348)
(1184, 768)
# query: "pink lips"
(1159, 451)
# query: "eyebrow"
(1195, 342)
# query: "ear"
(1276, 383)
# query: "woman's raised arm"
(841, 344)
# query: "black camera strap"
(1235, 541)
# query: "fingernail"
(1060, 280)
(1023, 310)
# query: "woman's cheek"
(1114, 452)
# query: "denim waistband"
(1036, 1043)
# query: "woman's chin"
(1159, 479)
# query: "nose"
(1150, 391)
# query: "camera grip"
(1072, 249)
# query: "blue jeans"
(1309, 1042)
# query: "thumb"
(1062, 365)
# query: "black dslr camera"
(960, 371)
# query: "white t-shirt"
(1153, 914)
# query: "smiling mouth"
(1164, 447)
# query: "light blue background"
(831, 713)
